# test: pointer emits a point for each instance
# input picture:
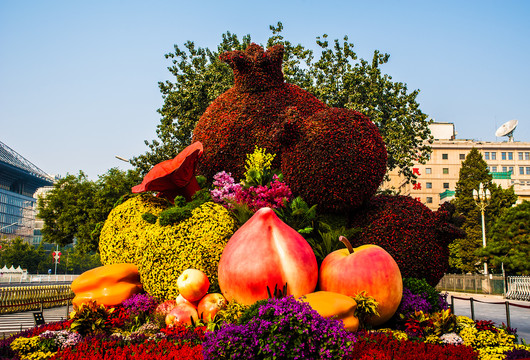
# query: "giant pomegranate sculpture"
(245, 116)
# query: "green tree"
(337, 78)
(509, 241)
(465, 252)
(19, 253)
(76, 207)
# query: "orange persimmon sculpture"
(108, 285)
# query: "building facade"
(19, 180)
(508, 162)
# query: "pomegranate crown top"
(256, 69)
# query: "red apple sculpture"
(182, 300)
(182, 314)
(266, 252)
(193, 284)
(165, 307)
(366, 268)
(210, 305)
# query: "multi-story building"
(19, 180)
(508, 162)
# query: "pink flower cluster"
(225, 189)
(226, 193)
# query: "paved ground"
(13, 323)
(519, 317)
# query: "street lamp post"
(482, 198)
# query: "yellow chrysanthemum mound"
(194, 243)
(123, 230)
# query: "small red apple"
(366, 268)
(266, 253)
(193, 284)
(181, 314)
(165, 307)
(182, 300)
(209, 305)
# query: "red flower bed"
(416, 237)
(383, 346)
(116, 350)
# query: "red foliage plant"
(246, 115)
(416, 237)
(384, 346)
(336, 158)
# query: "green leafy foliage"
(182, 210)
(17, 252)
(77, 207)
(90, 318)
(464, 252)
(366, 308)
(509, 241)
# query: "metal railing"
(24, 298)
(472, 301)
(472, 283)
(518, 288)
(31, 279)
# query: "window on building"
(521, 170)
(445, 170)
(510, 169)
(520, 155)
(503, 156)
(493, 169)
(445, 156)
(493, 155)
(428, 170)
(487, 155)
(504, 169)
(429, 200)
(528, 170)
(510, 156)
(462, 156)
(527, 155)
(446, 185)
(429, 185)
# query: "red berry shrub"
(415, 236)
(245, 115)
(338, 161)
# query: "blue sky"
(79, 80)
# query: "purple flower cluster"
(140, 303)
(226, 192)
(411, 302)
(285, 329)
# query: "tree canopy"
(337, 77)
(76, 207)
(509, 241)
(465, 252)
(19, 253)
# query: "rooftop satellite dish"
(507, 129)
